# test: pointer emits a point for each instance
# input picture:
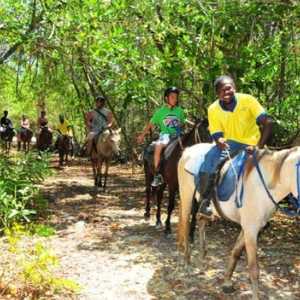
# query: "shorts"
(164, 139)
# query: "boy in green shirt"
(169, 119)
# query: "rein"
(262, 180)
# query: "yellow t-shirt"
(63, 128)
(240, 124)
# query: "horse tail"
(186, 191)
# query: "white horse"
(281, 176)
(107, 144)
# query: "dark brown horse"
(44, 139)
(168, 169)
(24, 136)
(7, 137)
(64, 145)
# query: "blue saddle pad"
(227, 184)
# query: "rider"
(25, 125)
(236, 121)
(42, 120)
(5, 122)
(169, 119)
(63, 128)
(97, 121)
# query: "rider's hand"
(250, 149)
(221, 143)
(140, 138)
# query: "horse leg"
(105, 174)
(19, 146)
(61, 156)
(234, 257)
(94, 167)
(195, 208)
(148, 179)
(186, 189)
(99, 173)
(171, 205)
(251, 248)
(159, 195)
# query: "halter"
(267, 190)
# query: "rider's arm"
(216, 130)
(147, 129)
(262, 120)
(267, 125)
(109, 119)
(89, 119)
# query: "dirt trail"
(105, 245)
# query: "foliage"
(36, 266)
(66, 52)
(19, 194)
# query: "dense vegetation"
(19, 195)
(59, 54)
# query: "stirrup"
(205, 208)
(157, 180)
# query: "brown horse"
(64, 144)
(44, 139)
(106, 144)
(24, 136)
(168, 169)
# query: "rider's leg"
(157, 180)
(207, 174)
(207, 178)
(157, 154)
(89, 142)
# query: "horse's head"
(201, 131)
(114, 139)
(198, 134)
(283, 169)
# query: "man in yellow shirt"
(63, 128)
(234, 120)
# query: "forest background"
(58, 55)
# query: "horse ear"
(118, 130)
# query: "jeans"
(215, 156)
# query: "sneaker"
(157, 181)
(205, 208)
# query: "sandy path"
(105, 245)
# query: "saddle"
(228, 174)
(166, 153)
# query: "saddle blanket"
(195, 157)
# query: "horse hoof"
(228, 289)
(146, 216)
(158, 225)
(168, 231)
(192, 239)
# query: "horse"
(44, 139)
(268, 177)
(6, 135)
(168, 170)
(64, 147)
(24, 136)
(106, 145)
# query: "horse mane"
(277, 157)
(198, 124)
